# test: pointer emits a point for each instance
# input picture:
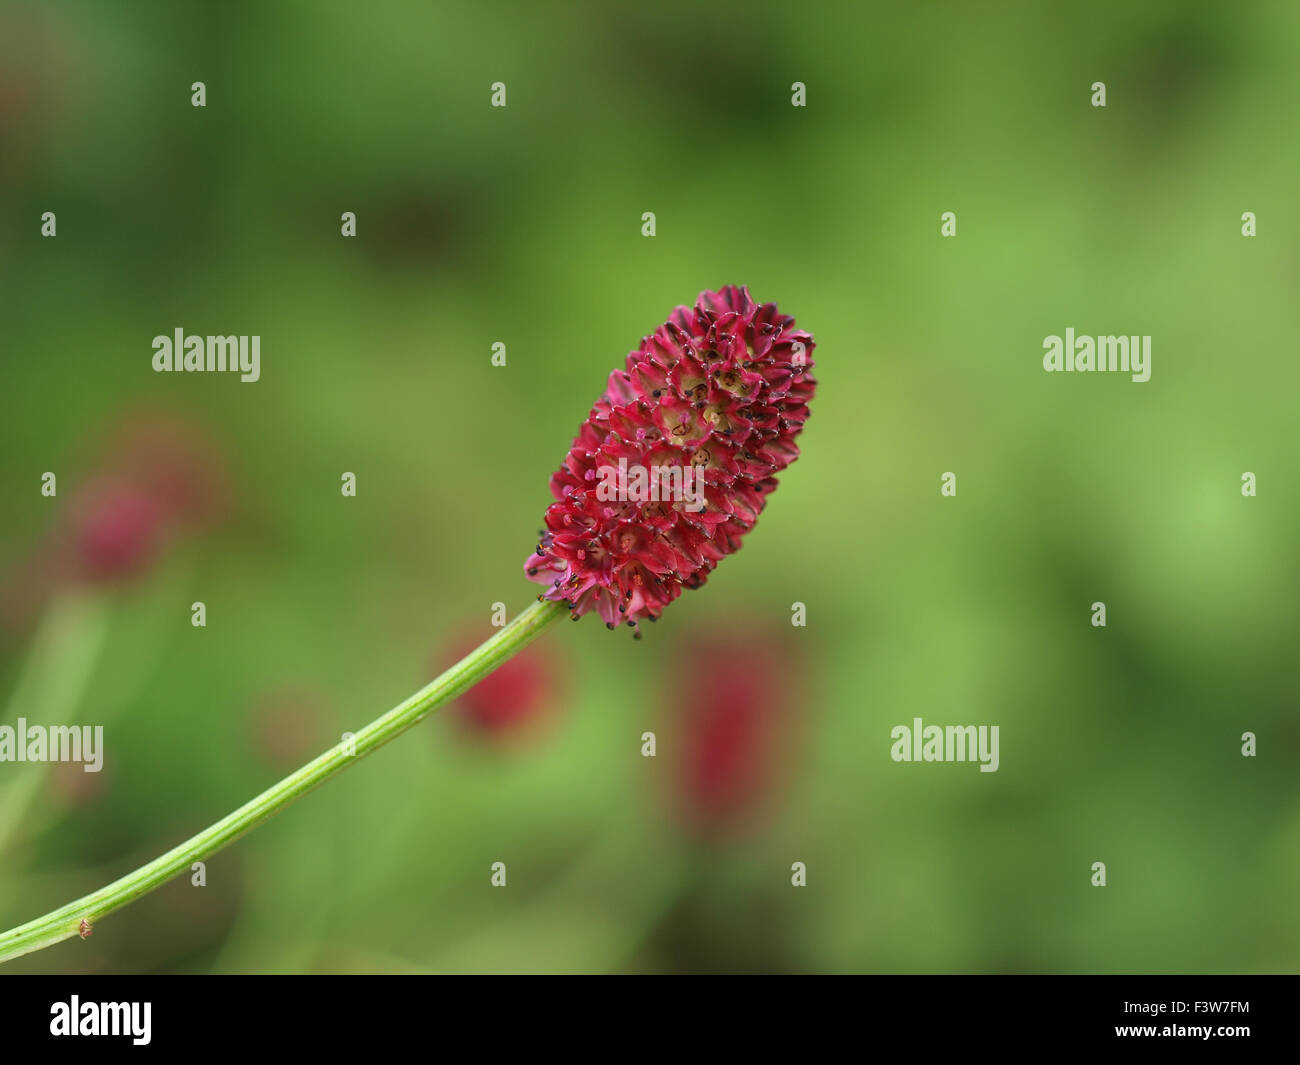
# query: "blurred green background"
(523, 225)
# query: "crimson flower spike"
(676, 460)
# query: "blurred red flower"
(152, 477)
(115, 530)
(733, 730)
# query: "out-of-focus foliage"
(523, 225)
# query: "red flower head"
(675, 461)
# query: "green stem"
(67, 921)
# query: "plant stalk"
(79, 917)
